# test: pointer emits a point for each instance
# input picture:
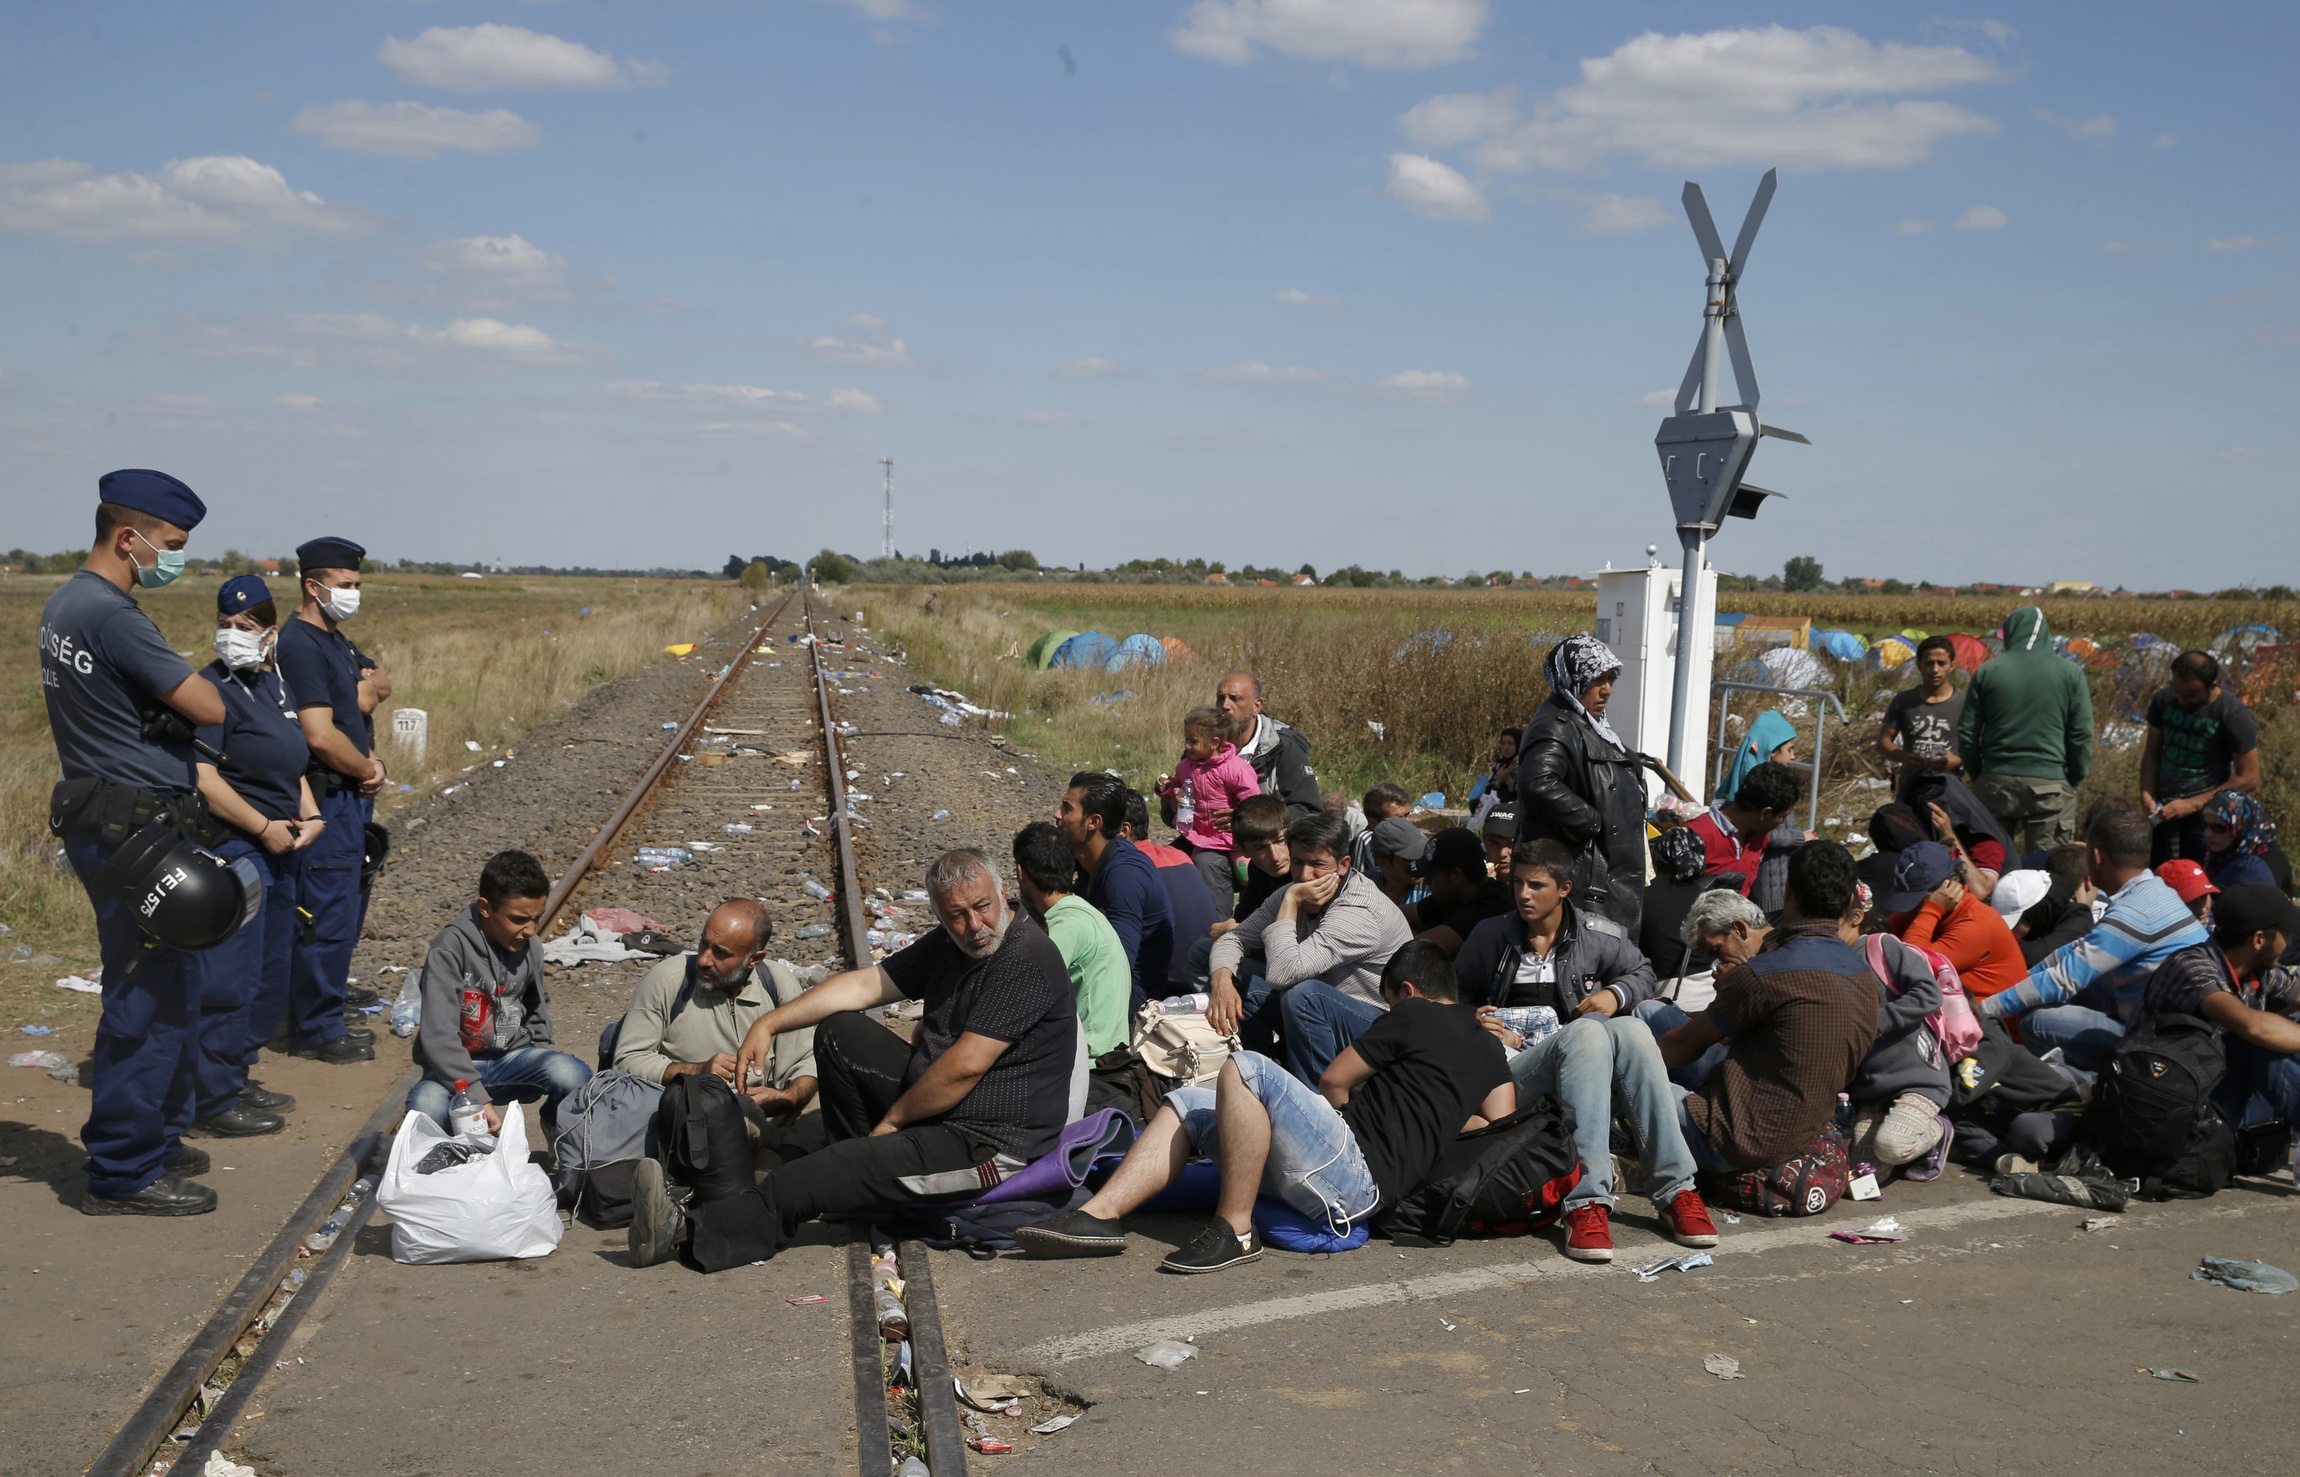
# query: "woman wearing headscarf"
(1680, 867)
(1772, 738)
(2237, 838)
(1579, 783)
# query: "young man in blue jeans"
(1387, 1105)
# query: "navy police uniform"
(323, 670)
(244, 980)
(103, 666)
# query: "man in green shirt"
(1045, 867)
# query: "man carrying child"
(1206, 786)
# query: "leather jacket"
(1575, 788)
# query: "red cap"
(460, 1084)
(2186, 878)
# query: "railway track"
(772, 702)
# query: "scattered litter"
(940, 815)
(996, 1393)
(80, 985)
(2176, 1376)
(1449, 1327)
(2096, 1223)
(1166, 1354)
(704, 846)
(1381, 730)
(1887, 1230)
(1652, 1271)
(679, 649)
(812, 1297)
(1906, 1302)
(39, 1030)
(1724, 1366)
(814, 930)
(816, 890)
(670, 727)
(2245, 1276)
(472, 745)
(662, 858)
(220, 1465)
(989, 1445)
(1731, 1219)
(913, 1467)
(1059, 1423)
(1522, 1392)
(737, 828)
(1111, 699)
(1864, 1186)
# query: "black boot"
(360, 995)
(339, 1052)
(240, 1122)
(189, 1161)
(361, 1034)
(256, 1095)
(166, 1195)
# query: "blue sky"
(1377, 281)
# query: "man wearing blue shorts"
(1423, 1073)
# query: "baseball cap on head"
(2186, 878)
(1922, 868)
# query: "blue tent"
(1138, 649)
(1086, 649)
(1429, 643)
(1843, 645)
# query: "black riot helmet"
(181, 895)
(375, 850)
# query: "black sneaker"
(1212, 1249)
(166, 1195)
(1073, 1233)
(658, 1213)
(256, 1095)
(188, 1161)
(339, 1052)
(240, 1122)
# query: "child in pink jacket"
(1208, 781)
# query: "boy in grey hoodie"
(486, 1020)
(1902, 1087)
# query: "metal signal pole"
(886, 537)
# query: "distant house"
(1271, 583)
(268, 566)
(1870, 584)
(2073, 587)
(1217, 579)
(1303, 580)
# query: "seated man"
(1186, 896)
(1387, 848)
(1259, 826)
(689, 1013)
(1119, 880)
(1309, 962)
(1900, 1095)
(1099, 978)
(1735, 833)
(1499, 834)
(994, 1075)
(1385, 1109)
(1602, 1061)
(2227, 982)
(1462, 893)
(486, 1018)
(1791, 1023)
(2081, 995)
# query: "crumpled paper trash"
(2245, 1276)
(1166, 1354)
(1724, 1366)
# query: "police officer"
(334, 690)
(107, 672)
(251, 772)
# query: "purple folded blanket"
(1062, 1169)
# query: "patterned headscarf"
(2247, 821)
(1572, 666)
(1678, 854)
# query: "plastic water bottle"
(407, 1014)
(1186, 1004)
(816, 890)
(465, 1117)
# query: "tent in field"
(1139, 649)
(1176, 652)
(1971, 650)
(1785, 667)
(1842, 645)
(1891, 652)
(1086, 649)
(1040, 656)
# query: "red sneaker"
(1687, 1221)
(1589, 1233)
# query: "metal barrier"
(1725, 749)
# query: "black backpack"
(1506, 1179)
(2152, 1117)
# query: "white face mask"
(341, 605)
(243, 649)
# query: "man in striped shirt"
(2080, 997)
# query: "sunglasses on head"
(2221, 826)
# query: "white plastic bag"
(494, 1207)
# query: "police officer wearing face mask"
(334, 688)
(257, 789)
(107, 673)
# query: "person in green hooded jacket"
(2026, 734)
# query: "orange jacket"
(1975, 938)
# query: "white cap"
(2017, 892)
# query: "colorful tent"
(1890, 652)
(1176, 652)
(1086, 649)
(1842, 645)
(1971, 650)
(1139, 649)
(1040, 656)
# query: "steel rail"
(851, 916)
(930, 1366)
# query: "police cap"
(156, 493)
(240, 593)
(328, 553)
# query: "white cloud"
(1435, 190)
(1052, 418)
(1294, 297)
(415, 130)
(2099, 127)
(863, 323)
(1658, 397)
(2245, 242)
(2242, 453)
(215, 197)
(500, 263)
(371, 343)
(1914, 227)
(2113, 248)
(2167, 140)
(769, 430)
(720, 399)
(1426, 387)
(1456, 118)
(1093, 367)
(474, 58)
(1613, 214)
(1814, 99)
(298, 402)
(878, 352)
(1375, 33)
(1255, 372)
(885, 12)
(1982, 218)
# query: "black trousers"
(860, 1066)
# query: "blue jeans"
(1317, 1021)
(524, 1072)
(1664, 1016)
(2085, 1036)
(1315, 1165)
(1200, 961)
(1593, 1064)
(1258, 1024)
(140, 1100)
(2258, 1074)
(1704, 1157)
